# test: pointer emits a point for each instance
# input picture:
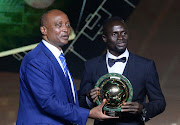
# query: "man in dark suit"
(140, 71)
(47, 92)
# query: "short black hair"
(43, 19)
(110, 20)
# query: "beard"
(120, 51)
(117, 50)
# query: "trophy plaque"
(116, 89)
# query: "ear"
(104, 38)
(43, 30)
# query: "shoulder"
(95, 60)
(35, 56)
(140, 59)
(142, 62)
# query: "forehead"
(116, 25)
(57, 16)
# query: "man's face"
(116, 37)
(57, 28)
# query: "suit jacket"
(143, 76)
(45, 93)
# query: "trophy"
(116, 89)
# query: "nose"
(120, 36)
(64, 28)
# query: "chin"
(64, 42)
(122, 50)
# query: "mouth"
(121, 44)
(65, 37)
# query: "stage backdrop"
(19, 20)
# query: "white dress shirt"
(118, 67)
(56, 52)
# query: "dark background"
(23, 30)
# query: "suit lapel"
(130, 70)
(76, 97)
(126, 69)
(102, 66)
(59, 70)
(129, 65)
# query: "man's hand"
(132, 107)
(93, 94)
(96, 112)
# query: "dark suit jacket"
(45, 95)
(143, 76)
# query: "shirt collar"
(125, 54)
(56, 52)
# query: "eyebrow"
(68, 22)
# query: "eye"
(68, 24)
(124, 33)
(59, 25)
(114, 34)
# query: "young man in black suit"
(140, 71)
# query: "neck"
(117, 53)
(59, 47)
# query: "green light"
(11, 11)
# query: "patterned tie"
(111, 62)
(63, 61)
(66, 70)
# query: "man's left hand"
(132, 107)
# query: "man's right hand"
(93, 94)
(96, 112)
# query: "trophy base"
(112, 113)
